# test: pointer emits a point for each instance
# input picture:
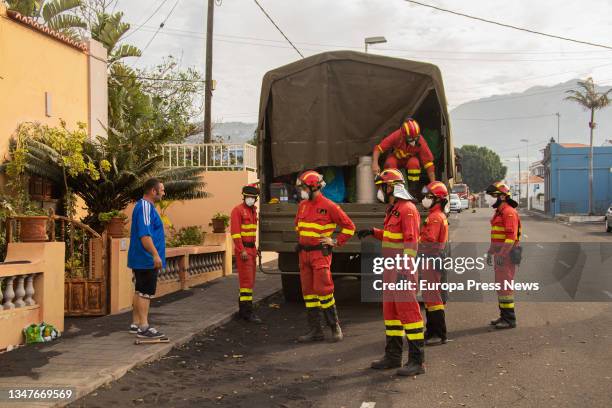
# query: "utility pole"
(208, 79)
(558, 126)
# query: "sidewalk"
(96, 351)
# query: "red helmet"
(498, 188)
(389, 176)
(251, 190)
(411, 128)
(311, 179)
(437, 189)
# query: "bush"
(107, 216)
(192, 235)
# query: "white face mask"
(304, 195)
(490, 200)
(427, 202)
(250, 201)
(380, 195)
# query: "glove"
(361, 234)
(489, 260)
(499, 261)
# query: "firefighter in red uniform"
(243, 227)
(504, 250)
(434, 235)
(315, 222)
(409, 151)
(401, 310)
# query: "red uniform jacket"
(434, 232)
(505, 229)
(401, 229)
(402, 150)
(319, 218)
(243, 225)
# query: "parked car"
(455, 203)
(609, 219)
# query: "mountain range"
(500, 122)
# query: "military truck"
(330, 109)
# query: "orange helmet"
(389, 176)
(437, 189)
(498, 188)
(311, 179)
(251, 190)
(411, 128)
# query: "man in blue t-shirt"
(146, 256)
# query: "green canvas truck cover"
(334, 107)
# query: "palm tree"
(119, 184)
(589, 99)
(55, 14)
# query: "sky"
(476, 59)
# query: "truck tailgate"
(277, 225)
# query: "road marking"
(607, 293)
(367, 405)
(539, 246)
(565, 264)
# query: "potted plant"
(220, 222)
(32, 220)
(33, 226)
(114, 221)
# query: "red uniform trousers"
(316, 279)
(411, 164)
(246, 269)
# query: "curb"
(106, 377)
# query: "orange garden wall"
(225, 188)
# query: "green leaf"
(124, 51)
(54, 8)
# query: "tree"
(480, 166)
(119, 181)
(588, 97)
(58, 15)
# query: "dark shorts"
(145, 282)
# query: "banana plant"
(58, 15)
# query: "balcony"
(211, 156)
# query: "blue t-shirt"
(145, 221)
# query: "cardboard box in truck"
(331, 109)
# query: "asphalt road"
(559, 356)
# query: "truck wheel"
(292, 289)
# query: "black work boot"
(435, 329)
(416, 357)
(245, 311)
(331, 317)
(315, 332)
(393, 354)
(507, 319)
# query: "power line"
(509, 25)
(509, 118)
(502, 52)
(161, 25)
(200, 35)
(158, 79)
(278, 28)
(147, 20)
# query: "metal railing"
(211, 156)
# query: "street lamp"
(374, 40)
(527, 158)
